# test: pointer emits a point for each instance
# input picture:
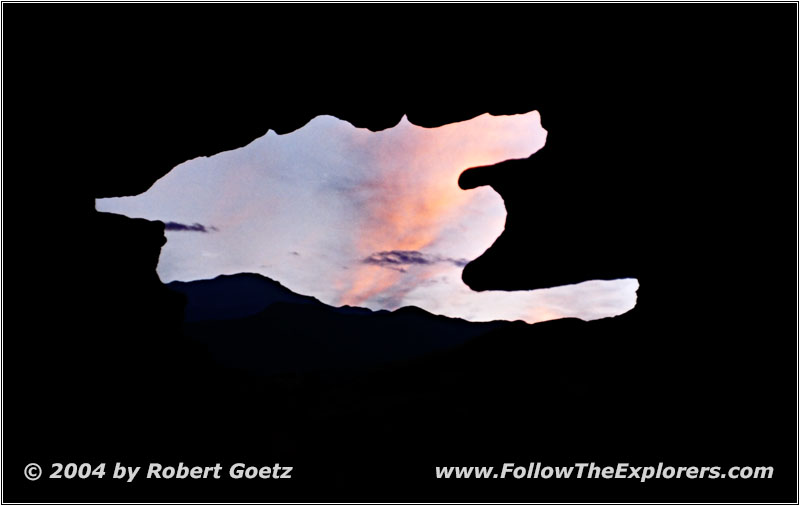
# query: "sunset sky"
(359, 218)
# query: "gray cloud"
(195, 227)
(458, 262)
(397, 259)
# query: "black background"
(670, 155)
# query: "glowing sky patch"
(360, 218)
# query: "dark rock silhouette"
(671, 131)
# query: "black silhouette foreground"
(668, 138)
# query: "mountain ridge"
(217, 298)
(252, 322)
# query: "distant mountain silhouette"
(254, 323)
(234, 296)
